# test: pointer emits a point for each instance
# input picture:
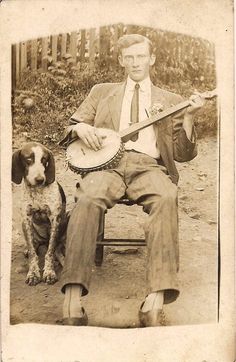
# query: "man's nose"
(135, 62)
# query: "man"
(146, 174)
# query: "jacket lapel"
(156, 98)
(115, 104)
(161, 128)
(156, 95)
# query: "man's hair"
(130, 39)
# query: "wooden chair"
(102, 241)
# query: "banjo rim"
(106, 165)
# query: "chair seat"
(126, 201)
(102, 241)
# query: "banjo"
(82, 159)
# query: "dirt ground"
(117, 288)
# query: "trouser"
(142, 180)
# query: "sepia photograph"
(116, 172)
(75, 157)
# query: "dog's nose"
(39, 180)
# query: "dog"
(43, 208)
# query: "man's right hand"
(89, 135)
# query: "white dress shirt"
(146, 142)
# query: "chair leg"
(99, 255)
(100, 248)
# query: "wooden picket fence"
(83, 45)
(95, 44)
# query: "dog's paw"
(33, 278)
(49, 276)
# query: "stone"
(21, 269)
(183, 197)
(28, 103)
(212, 222)
(195, 216)
(197, 238)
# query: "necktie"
(134, 112)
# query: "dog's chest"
(42, 203)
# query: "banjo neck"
(127, 133)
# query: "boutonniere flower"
(155, 109)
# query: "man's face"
(137, 60)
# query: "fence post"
(73, 45)
(23, 56)
(115, 39)
(63, 45)
(104, 45)
(82, 45)
(54, 48)
(33, 54)
(91, 48)
(13, 66)
(17, 63)
(44, 54)
(120, 29)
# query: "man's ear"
(152, 59)
(120, 58)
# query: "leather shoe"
(152, 318)
(82, 320)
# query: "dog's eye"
(44, 161)
(29, 160)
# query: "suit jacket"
(102, 108)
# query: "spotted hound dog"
(43, 207)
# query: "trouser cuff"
(65, 284)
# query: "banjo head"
(82, 159)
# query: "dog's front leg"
(33, 276)
(49, 274)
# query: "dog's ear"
(17, 169)
(50, 169)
